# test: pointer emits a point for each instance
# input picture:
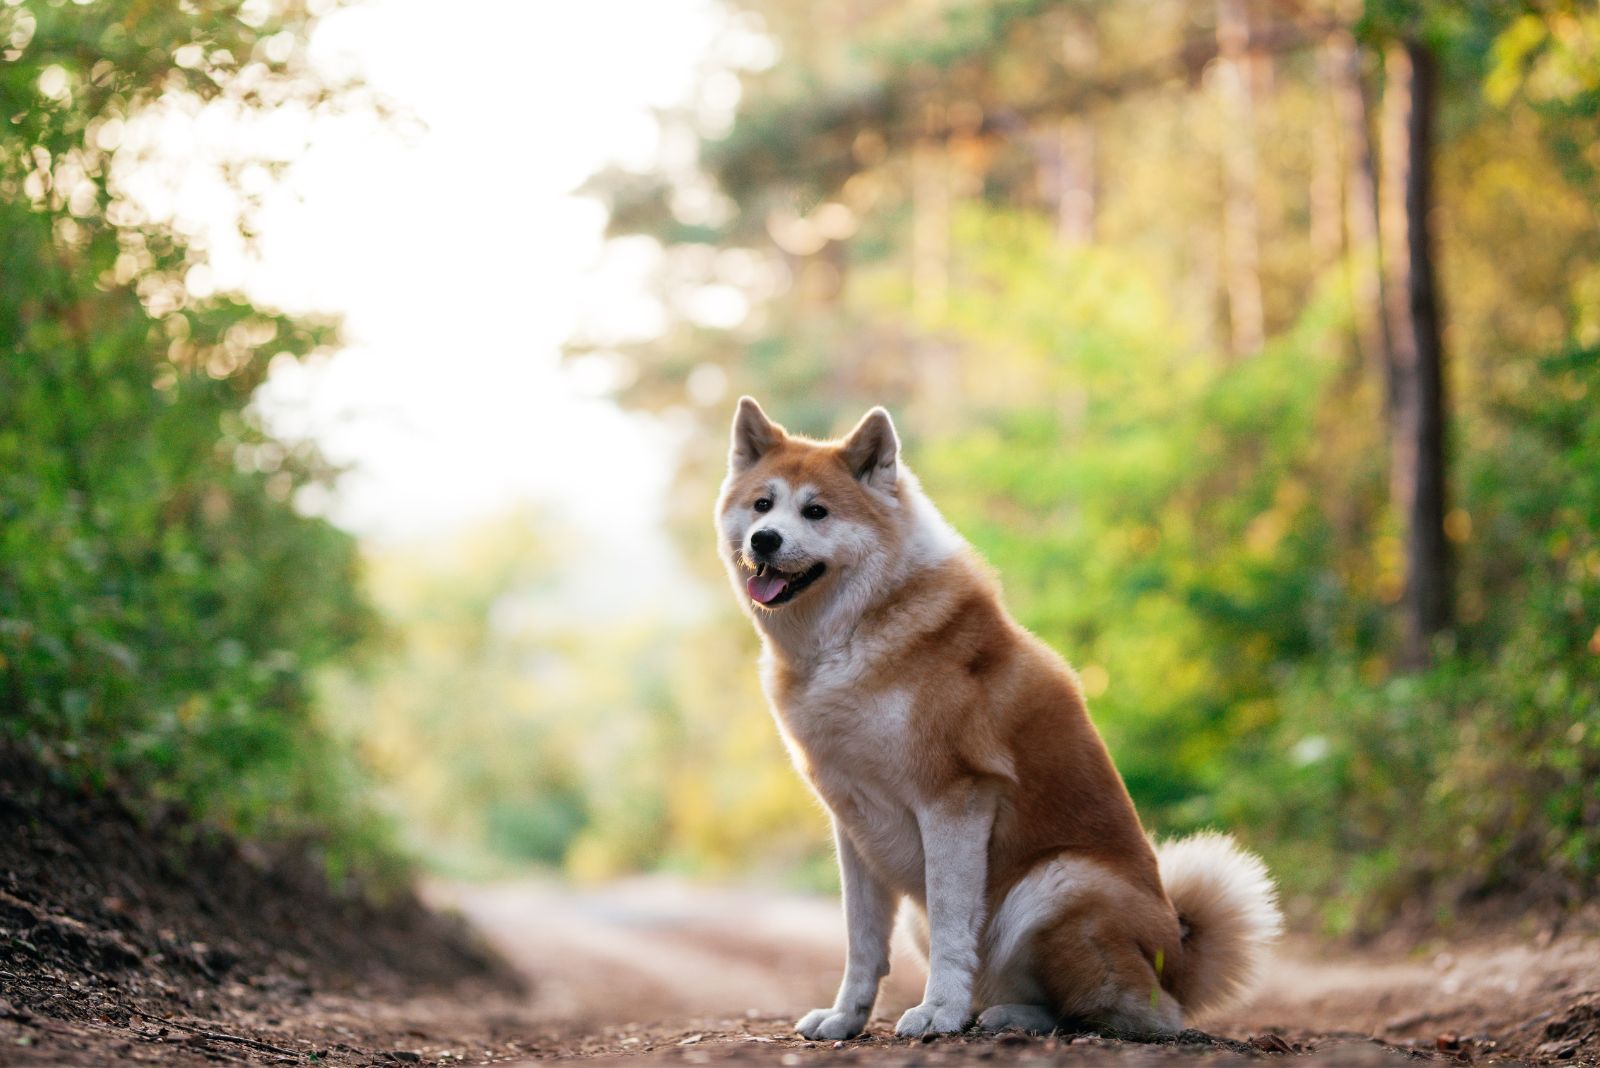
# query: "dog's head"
(800, 519)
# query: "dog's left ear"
(872, 451)
(753, 436)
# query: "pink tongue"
(764, 588)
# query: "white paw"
(1032, 1018)
(831, 1023)
(931, 1019)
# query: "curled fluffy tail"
(1229, 909)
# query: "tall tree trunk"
(1341, 62)
(931, 206)
(1065, 151)
(1325, 192)
(1066, 148)
(1417, 403)
(1240, 224)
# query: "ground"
(675, 973)
(131, 940)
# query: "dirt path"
(128, 939)
(659, 970)
(125, 942)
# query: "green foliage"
(1493, 755)
(1147, 508)
(162, 602)
(512, 724)
(1492, 761)
(460, 713)
(1206, 536)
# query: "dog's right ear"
(754, 435)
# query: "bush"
(163, 605)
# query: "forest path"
(659, 969)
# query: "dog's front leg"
(869, 908)
(955, 849)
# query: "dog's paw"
(931, 1019)
(1034, 1019)
(831, 1023)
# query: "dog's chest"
(857, 749)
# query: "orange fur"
(932, 695)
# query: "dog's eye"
(763, 504)
(814, 511)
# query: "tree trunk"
(931, 206)
(1066, 148)
(1341, 61)
(1065, 151)
(1417, 401)
(1324, 199)
(1240, 224)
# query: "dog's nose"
(766, 542)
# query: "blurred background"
(366, 371)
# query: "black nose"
(766, 542)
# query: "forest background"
(1255, 342)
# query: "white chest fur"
(853, 747)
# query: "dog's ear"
(753, 436)
(872, 451)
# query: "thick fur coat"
(955, 753)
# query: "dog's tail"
(1228, 907)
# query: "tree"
(1417, 408)
(163, 603)
(1241, 238)
(1211, 539)
(1341, 60)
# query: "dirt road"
(659, 970)
(126, 940)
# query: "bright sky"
(459, 259)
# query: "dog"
(955, 754)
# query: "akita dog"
(956, 755)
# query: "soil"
(125, 939)
(128, 937)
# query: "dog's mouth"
(770, 587)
